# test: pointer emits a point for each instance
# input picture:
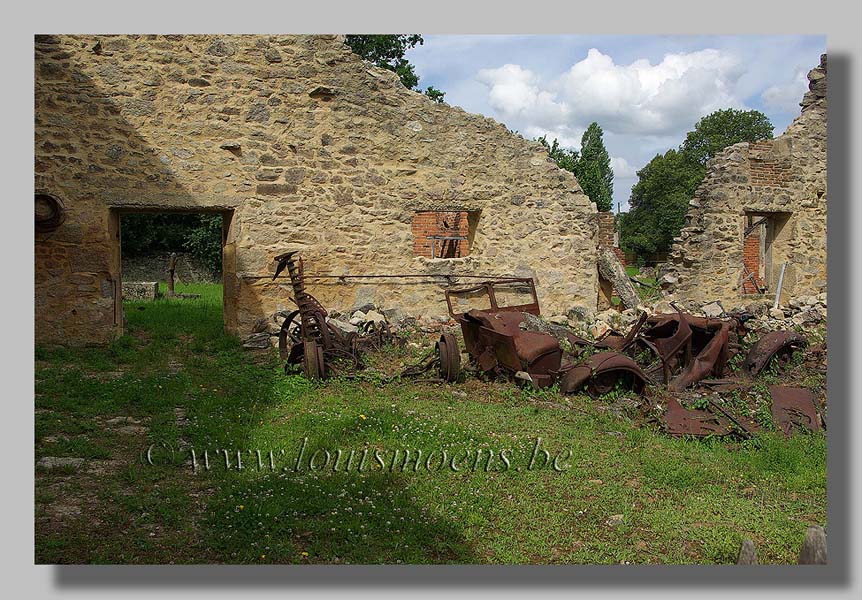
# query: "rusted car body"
(494, 338)
(498, 344)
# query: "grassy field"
(626, 493)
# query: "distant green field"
(629, 494)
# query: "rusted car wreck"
(662, 354)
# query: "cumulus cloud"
(622, 168)
(638, 98)
(785, 97)
(517, 92)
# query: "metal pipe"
(780, 282)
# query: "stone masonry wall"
(783, 179)
(302, 146)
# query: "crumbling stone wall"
(153, 267)
(783, 180)
(302, 146)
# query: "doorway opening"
(180, 258)
(766, 246)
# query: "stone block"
(140, 290)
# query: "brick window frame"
(443, 233)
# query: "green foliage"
(658, 203)
(197, 233)
(435, 94)
(659, 199)
(565, 159)
(594, 170)
(387, 52)
(204, 241)
(723, 128)
(592, 165)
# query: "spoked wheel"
(312, 361)
(450, 357)
(289, 335)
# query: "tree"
(659, 199)
(196, 233)
(435, 94)
(387, 52)
(565, 159)
(723, 128)
(594, 170)
(658, 203)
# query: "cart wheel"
(312, 361)
(450, 357)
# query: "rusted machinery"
(316, 345)
(307, 338)
(676, 351)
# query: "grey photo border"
(659, 17)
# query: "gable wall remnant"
(302, 146)
(782, 180)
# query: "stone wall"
(302, 146)
(782, 180)
(153, 267)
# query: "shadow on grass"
(176, 358)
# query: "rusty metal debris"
(602, 373)
(306, 337)
(714, 420)
(314, 343)
(793, 408)
(445, 357)
(780, 344)
(679, 420)
(678, 351)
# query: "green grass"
(649, 292)
(681, 501)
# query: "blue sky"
(646, 91)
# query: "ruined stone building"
(761, 206)
(300, 145)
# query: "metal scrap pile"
(658, 359)
(665, 353)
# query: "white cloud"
(515, 92)
(785, 97)
(639, 98)
(622, 168)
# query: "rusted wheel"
(312, 361)
(449, 356)
(289, 335)
(50, 212)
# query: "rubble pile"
(364, 321)
(804, 312)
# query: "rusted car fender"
(768, 346)
(600, 373)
